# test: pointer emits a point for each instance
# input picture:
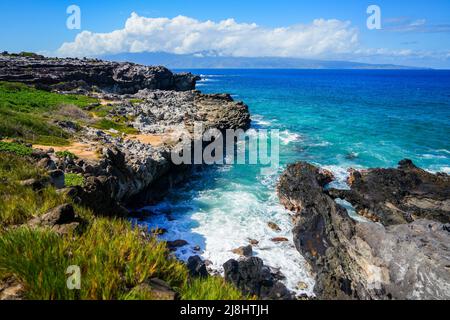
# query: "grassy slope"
(113, 256)
(27, 113)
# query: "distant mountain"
(208, 61)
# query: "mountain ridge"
(208, 61)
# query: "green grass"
(20, 203)
(102, 110)
(15, 148)
(106, 124)
(65, 154)
(26, 113)
(73, 180)
(211, 288)
(113, 256)
(136, 101)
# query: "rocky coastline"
(159, 105)
(120, 170)
(399, 250)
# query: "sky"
(415, 32)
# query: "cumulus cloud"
(184, 35)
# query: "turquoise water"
(336, 119)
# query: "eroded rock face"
(69, 74)
(396, 196)
(363, 260)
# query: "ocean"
(337, 119)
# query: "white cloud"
(183, 35)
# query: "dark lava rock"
(57, 178)
(61, 219)
(173, 245)
(197, 267)
(396, 196)
(252, 277)
(70, 74)
(273, 226)
(245, 251)
(366, 260)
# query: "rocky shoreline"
(119, 171)
(159, 105)
(401, 249)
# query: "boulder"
(57, 178)
(245, 251)
(197, 267)
(174, 245)
(11, 289)
(252, 277)
(61, 219)
(273, 226)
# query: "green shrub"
(73, 180)
(106, 124)
(65, 154)
(136, 101)
(15, 148)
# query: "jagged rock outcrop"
(70, 74)
(363, 260)
(161, 111)
(396, 196)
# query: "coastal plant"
(210, 288)
(19, 202)
(26, 113)
(113, 257)
(73, 180)
(65, 154)
(15, 148)
(106, 124)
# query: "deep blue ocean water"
(334, 118)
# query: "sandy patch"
(151, 139)
(81, 150)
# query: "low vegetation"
(15, 148)
(26, 113)
(65, 154)
(114, 257)
(120, 126)
(73, 180)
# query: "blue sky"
(413, 32)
